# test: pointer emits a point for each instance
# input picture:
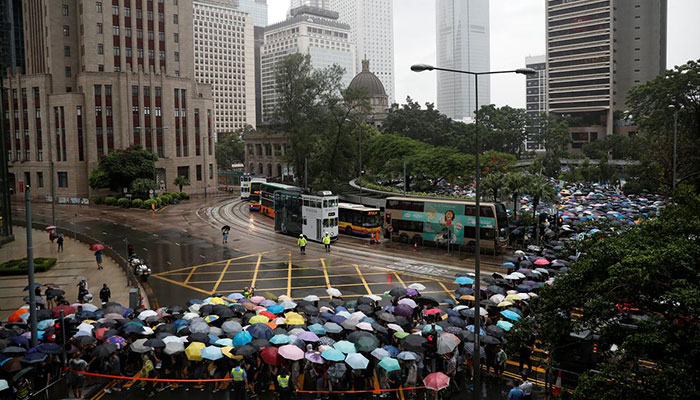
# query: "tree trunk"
(535, 203)
(180, 188)
(515, 206)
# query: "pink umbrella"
(257, 299)
(541, 261)
(291, 352)
(436, 381)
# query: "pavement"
(75, 260)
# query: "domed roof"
(368, 81)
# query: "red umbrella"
(541, 261)
(271, 356)
(436, 381)
(432, 311)
(97, 247)
(268, 314)
(67, 310)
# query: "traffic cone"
(557, 386)
(415, 246)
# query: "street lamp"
(675, 143)
(477, 233)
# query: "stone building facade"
(265, 153)
(101, 76)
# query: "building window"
(177, 56)
(99, 28)
(199, 172)
(127, 12)
(62, 179)
(66, 51)
(40, 179)
(100, 48)
(66, 30)
(211, 171)
(174, 18)
(127, 31)
(64, 10)
(117, 51)
(68, 72)
(100, 67)
(176, 38)
(115, 10)
(115, 30)
(99, 7)
(161, 36)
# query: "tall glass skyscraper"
(463, 44)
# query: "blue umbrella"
(318, 329)
(510, 315)
(333, 355)
(194, 301)
(345, 346)
(133, 329)
(407, 356)
(242, 338)
(338, 319)
(181, 322)
(235, 296)
(224, 342)
(275, 309)
(389, 364)
(45, 324)
(212, 338)
(260, 331)
(49, 348)
(508, 265)
(470, 328)
(211, 353)
(504, 324)
(463, 280)
(326, 315)
(34, 358)
(280, 339)
(20, 340)
(393, 351)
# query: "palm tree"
(493, 182)
(540, 190)
(181, 181)
(516, 183)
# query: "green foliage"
(166, 198)
(184, 195)
(159, 201)
(493, 161)
(120, 168)
(110, 201)
(97, 200)
(648, 106)
(492, 183)
(547, 165)
(230, 149)
(21, 266)
(181, 181)
(148, 203)
(124, 202)
(137, 203)
(515, 184)
(141, 186)
(503, 129)
(552, 132)
(655, 269)
(541, 190)
(427, 124)
(617, 146)
(175, 195)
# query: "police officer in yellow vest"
(327, 242)
(302, 243)
(283, 386)
(240, 381)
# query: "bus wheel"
(403, 238)
(348, 230)
(418, 240)
(471, 247)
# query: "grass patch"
(20, 266)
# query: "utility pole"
(306, 174)
(30, 266)
(405, 186)
(53, 195)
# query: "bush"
(148, 203)
(20, 266)
(124, 202)
(137, 203)
(167, 199)
(159, 202)
(110, 201)
(184, 196)
(174, 195)
(97, 200)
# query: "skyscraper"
(258, 10)
(596, 51)
(372, 31)
(536, 95)
(462, 44)
(312, 31)
(104, 77)
(224, 57)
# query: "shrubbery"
(124, 202)
(110, 201)
(137, 203)
(148, 203)
(184, 195)
(97, 200)
(19, 266)
(167, 199)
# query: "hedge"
(159, 201)
(109, 200)
(97, 200)
(137, 203)
(148, 203)
(124, 202)
(184, 195)
(20, 266)
(167, 199)
(174, 195)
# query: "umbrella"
(155, 343)
(280, 339)
(333, 292)
(212, 353)
(231, 327)
(224, 342)
(318, 329)
(409, 302)
(402, 310)
(505, 325)
(67, 310)
(407, 356)
(417, 286)
(367, 343)
(308, 337)
(463, 280)
(246, 350)
(104, 350)
(380, 353)
(385, 316)
(397, 292)
(36, 285)
(314, 357)
(333, 355)
(271, 356)
(389, 364)
(34, 358)
(242, 338)
(194, 351)
(291, 352)
(97, 247)
(260, 331)
(49, 348)
(511, 315)
(275, 309)
(436, 381)
(490, 340)
(139, 346)
(332, 327)
(337, 371)
(325, 341)
(117, 340)
(312, 298)
(174, 348)
(445, 345)
(414, 343)
(345, 346)
(86, 340)
(357, 361)
(495, 331)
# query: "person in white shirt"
(526, 387)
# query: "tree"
(649, 104)
(541, 190)
(637, 290)
(552, 132)
(142, 186)
(493, 183)
(424, 124)
(503, 129)
(493, 161)
(181, 181)
(516, 183)
(121, 167)
(230, 149)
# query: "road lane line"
(364, 282)
(221, 277)
(325, 272)
(196, 289)
(144, 249)
(177, 244)
(255, 273)
(202, 256)
(398, 278)
(445, 288)
(190, 275)
(289, 276)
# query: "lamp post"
(477, 233)
(675, 144)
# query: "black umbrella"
(379, 328)
(14, 351)
(337, 371)
(495, 331)
(398, 292)
(155, 343)
(168, 328)
(245, 350)
(114, 309)
(260, 342)
(43, 314)
(85, 340)
(309, 309)
(104, 350)
(414, 343)
(302, 303)
(109, 333)
(336, 302)
(8, 333)
(206, 309)
(458, 322)
(385, 316)
(199, 337)
(488, 339)
(364, 300)
(36, 285)
(427, 301)
(225, 312)
(366, 309)
(174, 310)
(463, 290)
(496, 290)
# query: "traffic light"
(58, 331)
(387, 218)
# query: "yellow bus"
(356, 219)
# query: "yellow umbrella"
(259, 319)
(194, 351)
(89, 321)
(228, 352)
(505, 304)
(466, 297)
(293, 318)
(513, 297)
(217, 300)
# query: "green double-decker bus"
(421, 220)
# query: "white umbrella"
(365, 326)
(139, 347)
(357, 315)
(173, 347)
(417, 286)
(311, 297)
(85, 327)
(333, 292)
(190, 315)
(497, 298)
(173, 339)
(373, 297)
(147, 313)
(394, 327)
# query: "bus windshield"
(370, 219)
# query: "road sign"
(390, 228)
(151, 191)
(125, 190)
(449, 216)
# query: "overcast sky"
(517, 31)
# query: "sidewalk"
(75, 260)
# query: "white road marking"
(144, 249)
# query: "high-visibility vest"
(283, 381)
(237, 374)
(301, 242)
(326, 240)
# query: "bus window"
(487, 211)
(486, 233)
(469, 210)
